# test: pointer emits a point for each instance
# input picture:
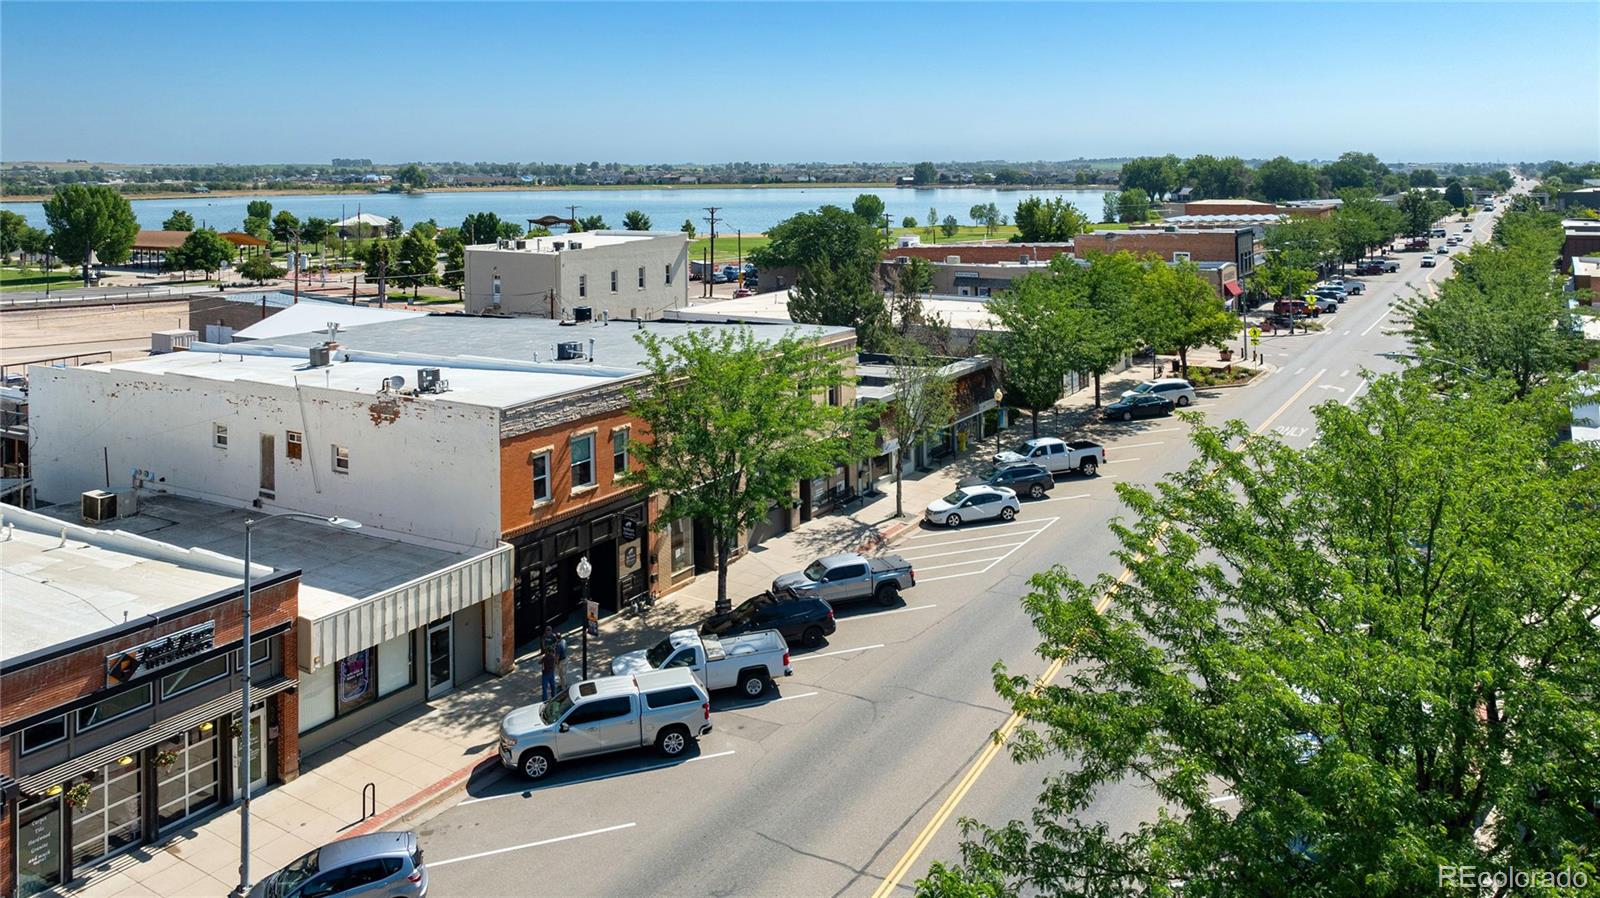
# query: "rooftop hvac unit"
(902, 260)
(582, 313)
(171, 341)
(558, 245)
(319, 356)
(1024, 259)
(522, 244)
(574, 245)
(569, 350)
(429, 381)
(99, 506)
(952, 260)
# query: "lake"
(750, 210)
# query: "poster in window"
(39, 847)
(356, 681)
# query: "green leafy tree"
(203, 250)
(923, 401)
(1338, 668)
(11, 225)
(1358, 225)
(909, 221)
(1282, 178)
(924, 173)
(39, 243)
(827, 237)
(1133, 205)
(909, 317)
(90, 220)
(179, 220)
(377, 259)
(1181, 311)
(258, 226)
(1111, 208)
(734, 422)
(842, 296)
(396, 227)
(1456, 195)
(479, 228)
(635, 220)
(1102, 299)
(316, 231)
(1419, 209)
(976, 213)
(1213, 178)
(1423, 177)
(1031, 344)
(1308, 243)
(455, 266)
(509, 230)
(412, 177)
(1355, 170)
(258, 209)
(1157, 176)
(417, 257)
(285, 226)
(950, 227)
(259, 267)
(869, 208)
(688, 228)
(1280, 279)
(1047, 221)
(591, 223)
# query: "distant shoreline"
(502, 188)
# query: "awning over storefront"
(1232, 288)
(328, 634)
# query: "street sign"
(592, 617)
(1255, 336)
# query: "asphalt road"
(836, 780)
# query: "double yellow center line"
(998, 741)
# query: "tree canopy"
(1033, 344)
(87, 219)
(1180, 311)
(635, 220)
(203, 250)
(259, 267)
(869, 208)
(1214, 178)
(1047, 221)
(1338, 668)
(417, 259)
(479, 228)
(1282, 178)
(828, 236)
(733, 423)
(179, 220)
(1157, 176)
(924, 173)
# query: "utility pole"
(572, 218)
(712, 251)
(294, 261)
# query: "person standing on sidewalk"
(547, 673)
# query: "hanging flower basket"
(166, 758)
(234, 728)
(78, 796)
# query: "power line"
(711, 254)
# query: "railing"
(67, 361)
(32, 299)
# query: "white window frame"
(219, 436)
(297, 440)
(341, 453)
(534, 478)
(620, 471)
(613, 280)
(572, 463)
(1178, 256)
(583, 286)
(641, 277)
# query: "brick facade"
(519, 512)
(970, 253)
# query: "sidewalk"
(420, 759)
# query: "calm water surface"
(751, 210)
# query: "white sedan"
(974, 503)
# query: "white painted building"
(623, 274)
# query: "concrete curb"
(887, 535)
(428, 802)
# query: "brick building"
(1236, 245)
(1580, 237)
(120, 669)
(1301, 209)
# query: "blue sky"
(241, 82)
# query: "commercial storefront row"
(120, 738)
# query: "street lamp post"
(584, 570)
(250, 525)
(999, 413)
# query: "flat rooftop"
(963, 313)
(338, 567)
(489, 362)
(587, 240)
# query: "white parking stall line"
(995, 561)
(1166, 430)
(602, 777)
(940, 567)
(1345, 373)
(895, 611)
(1224, 799)
(975, 539)
(541, 842)
(1300, 371)
(1062, 498)
(791, 697)
(915, 558)
(938, 534)
(859, 648)
(1347, 333)
(1378, 322)
(1137, 446)
(1121, 461)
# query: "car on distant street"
(387, 864)
(1055, 455)
(1467, 229)
(1177, 389)
(974, 503)
(805, 620)
(1428, 262)
(1138, 407)
(1025, 479)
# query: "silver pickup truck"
(849, 577)
(748, 662)
(666, 708)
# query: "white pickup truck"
(748, 662)
(1056, 456)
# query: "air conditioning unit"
(1024, 259)
(428, 381)
(319, 356)
(902, 260)
(99, 506)
(171, 341)
(569, 350)
(574, 245)
(558, 245)
(522, 244)
(952, 260)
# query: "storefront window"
(395, 660)
(42, 735)
(108, 820)
(682, 545)
(38, 846)
(112, 708)
(194, 676)
(186, 783)
(354, 680)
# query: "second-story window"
(293, 444)
(833, 395)
(341, 459)
(613, 280)
(219, 436)
(641, 277)
(669, 275)
(583, 461)
(583, 285)
(541, 476)
(619, 452)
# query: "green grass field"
(34, 279)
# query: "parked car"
(1437, 233)
(850, 577)
(1351, 288)
(804, 620)
(1442, 249)
(1428, 262)
(1298, 307)
(1139, 407)
(1023, 479)
(1057, 456)
(1177, 389)
(668, 709)
(1326, 304)
(1453, 240)
(1367, 266)
(386, 864)
(974, 503)
(1466, 229)
(748, 662)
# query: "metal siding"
(387, 615)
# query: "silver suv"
(380, 865)
(666, 708)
